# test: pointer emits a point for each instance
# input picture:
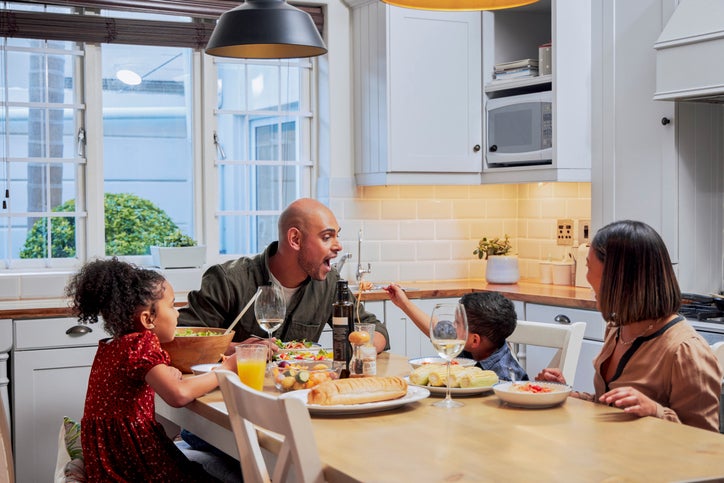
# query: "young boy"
(491, 319)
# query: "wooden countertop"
(524, 291)
(486, 440)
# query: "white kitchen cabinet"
(515, 34)
(49, 381)
(667, 175)
(538, 357)
(6, 344)
(407, 338)
(417, 95)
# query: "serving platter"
(533, 400)
(414, 394)
(454, 391)
(460, 361)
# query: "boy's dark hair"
(115, 290)
(490, 315)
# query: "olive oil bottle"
(342, 325)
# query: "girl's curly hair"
(116, 291)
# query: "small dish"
(460, 361)
(513, 393)
(203, 368)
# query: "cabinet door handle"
(665, 121)
(493, 148)
(476, 148)
(78, 330)
(562, 319)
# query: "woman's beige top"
(676, 368)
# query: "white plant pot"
(178, 257)
(502, 269)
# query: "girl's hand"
(630, 400)
(229, 363)
(273, 347)
(551, 374)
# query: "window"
(148, 146)
(79, 134)
(41, 126)
(263, 153)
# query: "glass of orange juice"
(251, 364)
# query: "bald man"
(299, 262)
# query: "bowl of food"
(303, 350)
(197, 345)
(532, 394)
(295, 375)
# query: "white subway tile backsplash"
(43, 285)
(9, 287)
(449, 221)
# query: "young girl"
(121, 439)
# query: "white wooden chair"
(7, 472)
(297, 458)
(718, 349)
(568, 339)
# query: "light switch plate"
(584, 231)
(564, 232)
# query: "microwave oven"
(520, 130)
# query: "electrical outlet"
(564, 232)
(584, 231)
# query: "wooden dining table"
(485, 440)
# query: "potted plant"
(177, 250)
(500, 267)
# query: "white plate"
(454, 391)
(203, 368)
(531, 399)
(461, 361)
(414, 393)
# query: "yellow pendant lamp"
(265, 29)
(459, 5)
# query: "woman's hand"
(630, 400)
(551, 374)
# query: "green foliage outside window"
(132, 225)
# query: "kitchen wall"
(421, 233)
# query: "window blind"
(97, 29)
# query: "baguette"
(357, 390)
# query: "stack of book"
(516, 69)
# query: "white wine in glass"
(448, 334)
(270, 308)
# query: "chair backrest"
(249, 409)
(718, 348)
(566, 338)
(7, 473)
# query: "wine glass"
(448, 334)
(270, 308)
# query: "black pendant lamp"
(459, 5)
(265, 29)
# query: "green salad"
(193, 333)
